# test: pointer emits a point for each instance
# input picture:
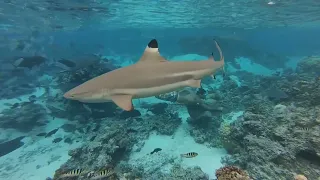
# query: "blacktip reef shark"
(150, 76)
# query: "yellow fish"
(189, 155)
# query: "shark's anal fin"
(123, 101)
(194, 83)
(151, 54)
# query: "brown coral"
(231, 173)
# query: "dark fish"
(26, 85)
(189, 155)
(52, 132)
(92, 138)
(41, 134)
(80, 130)
(275, 93)
(201, 92)
(15, 105)
(29, 62)
(56, 140)
(32, 98)
(96, 128)
(7, 104)
(130, 130)
(130, 114)
(156, 150)
(68, 63)
(9, 146)
(88, 129)
(68, 140)
(20, 46)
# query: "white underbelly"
(153, 91)
(101, 97)
(94, 100)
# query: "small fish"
(92, 138)
(103, 174)
(73, 173)
(189, 155)
(156, 150)
(7, 104)
(41, 134)
(32, 98)
(29, 62)
(201, 91)
(15, 105)
(171, 96)
(68, 63)
(303, 128)
(56, 140)
(52, 132)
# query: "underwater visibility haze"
(159, 90)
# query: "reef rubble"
(277, 138)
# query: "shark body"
(150, 76)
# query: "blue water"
(257, 118)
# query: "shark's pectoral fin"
(151, 53)
(123, 101)
(194, 83)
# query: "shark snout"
(68, 95)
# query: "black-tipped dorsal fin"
(151, 53)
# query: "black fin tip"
(153, 44)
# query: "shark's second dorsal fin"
(151, 53)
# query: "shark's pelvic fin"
(151, 53)
(123, 101)
(194, 83)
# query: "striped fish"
(103, 174)
(189, 155)
(303, 128)
(73, 173)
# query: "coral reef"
(204, 125)
(23, 116)
(278, 135)
(113, 140)
(309, 65)
(12, 86)
(276, 144)
(176, 172)
(231, 173)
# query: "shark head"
(87, 96)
